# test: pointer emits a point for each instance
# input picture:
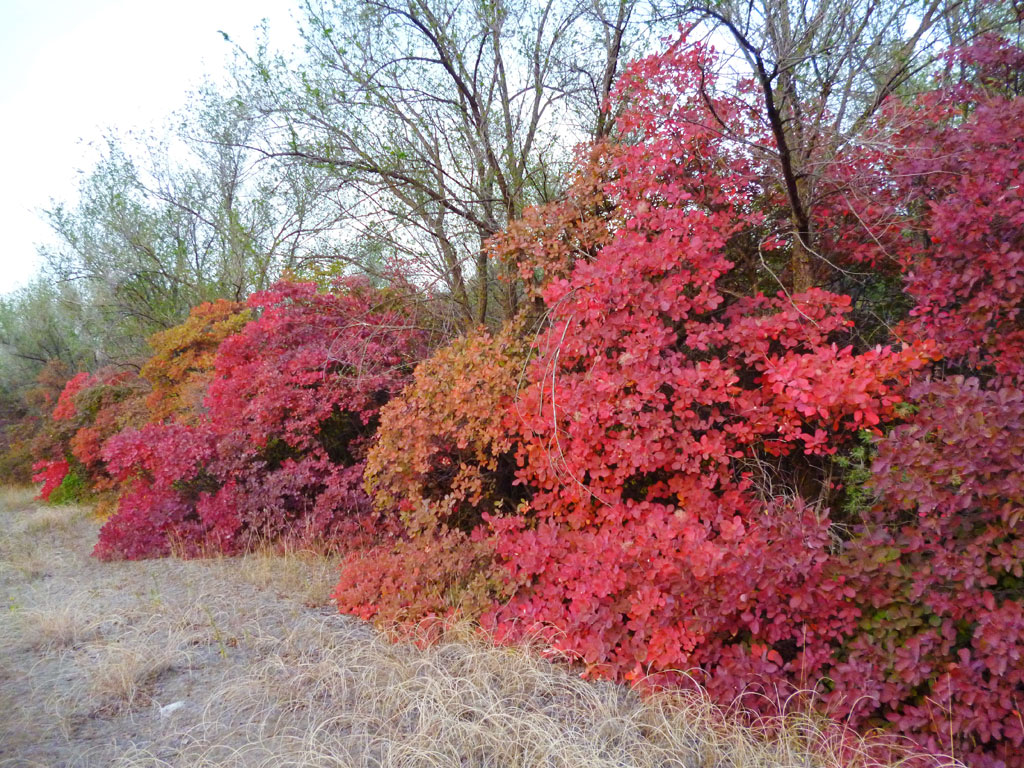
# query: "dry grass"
(15, 497)
(57, 625)
(223, 664)
(303, 575)
(336, 694)
(118, 673)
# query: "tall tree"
(820, 69)
(169, 222)
(441, 120)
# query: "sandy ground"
(243, 662)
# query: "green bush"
(74, 489)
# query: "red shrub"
(51, 474)
(435, 574)
(937, 563)
(162, 471)
(90, 409)
(279, 452)
(65, 408)
(655, 399)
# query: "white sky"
(73, 70)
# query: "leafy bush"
(442, 459)
(939, 573)
(444, 449)
(279, 451)
(654, 541)
(936, 562)
(90, 409)
(181, 367)
(434, 574)
(51, 474)
(73, 489)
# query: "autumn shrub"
(181, 366)
(51, 439)
(278, 451)
(108, 403)
(408, 580)
(444, 455)
(683, 437)
(937, 559)
(654, 543)
(51, 473)
(444, 451)
(89, 410)
(545, 243)
(937, 565)
(162, 470)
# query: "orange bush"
(444, 448)
(182, 362)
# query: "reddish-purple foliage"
(940, 566)
(936, 194)
(279, 452)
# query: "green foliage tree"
(163, 224)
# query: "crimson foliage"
(51, 473)
(655, 541)
(280, 449)
(963, 154)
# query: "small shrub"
(73, 489)
(443, 454)
(437, 574)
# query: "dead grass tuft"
(301, 574)
(118, 674)
(52, 627)
(45, 519)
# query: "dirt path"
(242, 662)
